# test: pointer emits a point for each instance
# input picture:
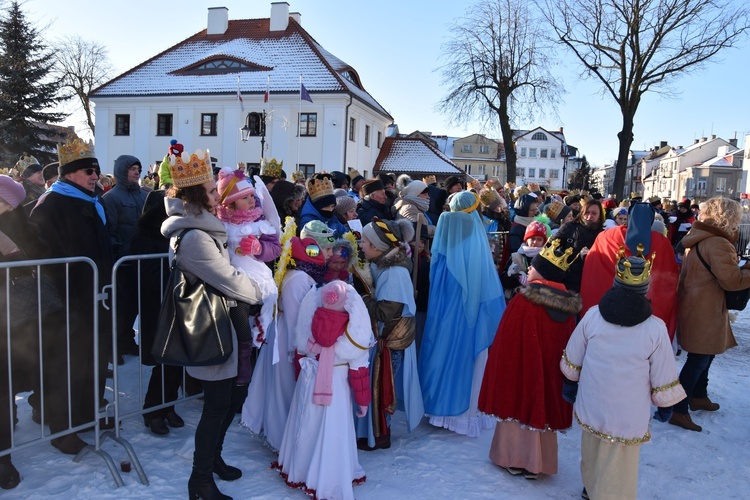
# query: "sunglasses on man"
(90, 171)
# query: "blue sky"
(395, 46)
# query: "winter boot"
(224, 471)
(683, 420)
(201, 485)
(9, 476)
(703, 404)
(70, 444)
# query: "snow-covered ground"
(430, 463)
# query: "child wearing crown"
(252, 240)
(522, 385)
(621, 357)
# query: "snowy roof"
(721, 161)
(281, 55)
(402, 154)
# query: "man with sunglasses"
(72, 223)
(124, 204)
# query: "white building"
(541, 157)
(189, 92)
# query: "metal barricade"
(134, 264)
(743, 241)
(48, 327)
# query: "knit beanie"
(523, 204)
(450, 182)
(536, 228)
(344, 204)
(11, 192)
(414, 188)
(318, 231)
(339, 192)
(384, 235)
(333, 295)
(31, 170)
(233, 185)
(639, 271)
(339, 179)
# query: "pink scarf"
(327, 327)
(233, 216)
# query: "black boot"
(201, 485)
(224, 471)
(9, 476)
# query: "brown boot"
(70, 444)
(703, 404)
(683, 420)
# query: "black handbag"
(23, 298)
(736, 299)
(194, 328)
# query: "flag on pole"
(239, 95)
(268, 87)
(303, 94)
(265, 97)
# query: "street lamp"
(255, 125)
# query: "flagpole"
(299, 117)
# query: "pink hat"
(333, 295)
(536, 228)
(233, 185)
(11, 192)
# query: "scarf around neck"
(66, 188)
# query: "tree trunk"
(508, 144)
(625, 137)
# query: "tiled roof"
(288, 53)
(401, 154)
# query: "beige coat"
(703, 317)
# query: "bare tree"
(82, 66)
(636, 46)
(497, 70)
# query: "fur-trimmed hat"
(371, 186)
(233, 185)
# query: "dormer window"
(351, 76)
(221, 65)
(539, 136)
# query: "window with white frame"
(467, 168)
(543, 153)
(532, 172)
(532, 152)
(496, 171)
(721, 184)
(480, 168)
(466, 148)
(552, 153)
(539, 136)
(554, 173)
(352, 129)
(484, 148)
(523, 152)
(367, 136)
(380, 139)
(542, 173)
(520, 172)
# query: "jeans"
(221, 400)
(694, 379)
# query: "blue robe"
(464, 310)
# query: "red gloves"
(249, 245)
(359, 380)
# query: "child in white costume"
(252, 239)
(318, 451)
(621, 357)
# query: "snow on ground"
(430, 463)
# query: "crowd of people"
(475, 306)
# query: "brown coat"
(703, 317)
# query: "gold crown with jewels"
(74, 150)
(550, 254)
(191, 169)
(626, 275)
(271, 168)
(26, 160)
(319, 185)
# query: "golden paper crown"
(25, 161)
(319, 185)
(626, 276)
(549, 253)
(429, 179)
(488, 195)
(191, 170)
(74, 150)
(271, 168)
(298, 175)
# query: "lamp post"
(255, 125)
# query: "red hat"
(609, 204)
(536, 228)
(307, 250)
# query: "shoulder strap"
(698, 253)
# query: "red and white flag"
(239, 95)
